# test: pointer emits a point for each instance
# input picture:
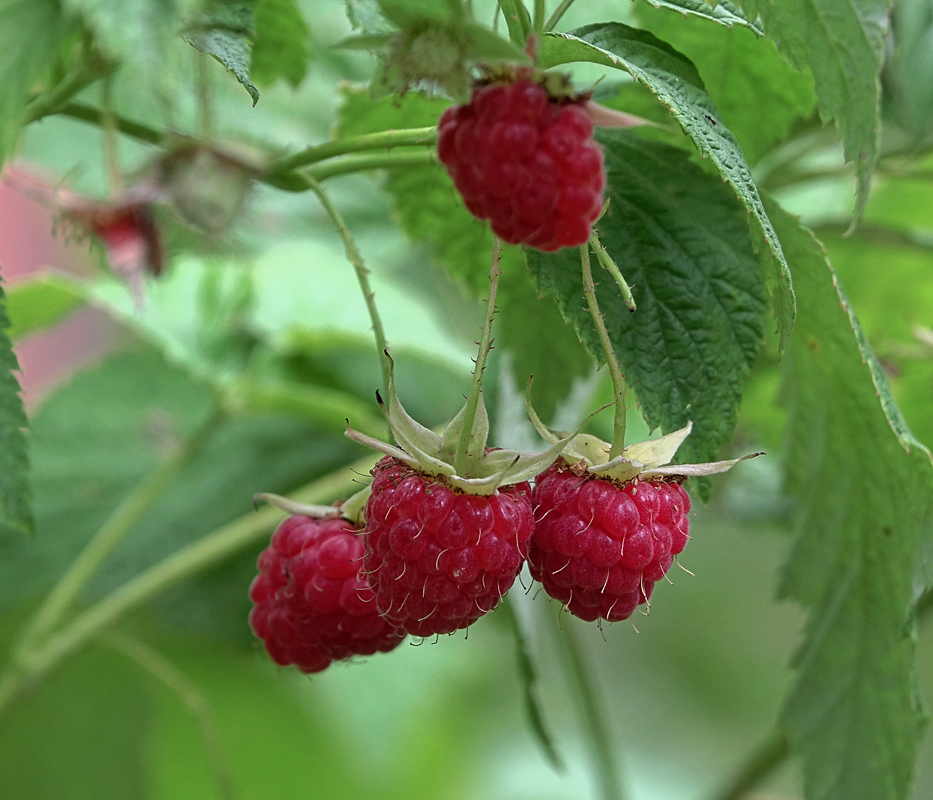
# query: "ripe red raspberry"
(599, 546)
(525, 162)
(438, 558)
(311, 604)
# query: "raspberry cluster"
(526, 162)
(438, 558)
(599, 547)
(312, 606)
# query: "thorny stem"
(165, 672)
(382, 140)
(362, 275)
(556, 14)
(109, 131)
(618, 380)
(759, 764)
(288, 181)
(485, 344)
(225, 542)
(612, 268)
(53, 101)
(109, 535)
(594, 718)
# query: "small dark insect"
(710, 119)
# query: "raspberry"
(439, 558)
(599, 546)
(311, 604)
(525, 162)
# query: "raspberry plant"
(714, 219)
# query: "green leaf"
(410, 12)
(280, 45)
(541, 344)
(681, 241)
(911, 70)
(723, 12)
(15, 491)
(30, 34)
(41, 302)
(100, 435)
(865, 487)
(739, 70)
(225, 32)
(82, 735)
(675, 82)
(842, 43)
(135, 32)
(367, 16)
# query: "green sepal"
(423, 450)
(639, 461)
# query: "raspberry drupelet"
(600, 546)
(312, 605)
(438, 558)
(525, 161)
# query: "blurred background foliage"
(180, 701)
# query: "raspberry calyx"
(606, 530)
(448, 520)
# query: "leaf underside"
(865, 487)
(842, 42)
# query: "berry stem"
(111, 533)
(593, 717)
(382, 140)
(758, 765)
(32, 665)
(362, 275)
(618, 380)
(612, 268)
(109, 132)
(166, 673)
(556, 14)
(485, 344)
(277, 177)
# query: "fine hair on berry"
(312, 604)
(600, 546)
(439, 558)
(526, 162)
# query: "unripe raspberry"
(437, 557)
(600, 546)
(312, 605)
(526, 162)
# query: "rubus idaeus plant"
(503, 395)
